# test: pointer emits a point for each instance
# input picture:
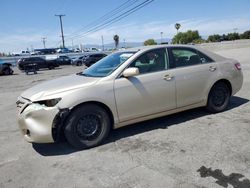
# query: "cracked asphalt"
(192, 149)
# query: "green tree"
(233, 36)
(199, 41)
(116, 39)
(214, 38)
(245, 35)
(186, 37)
(224, 37)
(150, 42)
(177, 26)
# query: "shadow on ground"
(235, 179)
(64, 148)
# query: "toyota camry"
(126, 87)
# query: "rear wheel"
(218, 98)
(87, 126)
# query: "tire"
(87, 126)
(11, 71)
(218, 98)
(51, 67)
(79, 64)
(7, 71)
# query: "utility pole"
(124, 43)
(161, 37)
(72, 43)
(60, 17)
(102, 44)
(44, 41)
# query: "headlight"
(49, 102)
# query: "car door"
(40, 62)
(193, 73)
(150, 92)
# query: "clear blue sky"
(24, 22)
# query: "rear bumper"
(237, 82)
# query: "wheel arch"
(104, 106)
(59, 121)
(223, 80)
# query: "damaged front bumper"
(36, 121)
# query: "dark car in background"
(37, 62)
(63, 60)
(5, 68)
(78, 60)
(92, 58)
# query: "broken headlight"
(49, 102)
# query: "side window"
(204, 58)
(152, 61)
(185, 57)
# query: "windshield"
(107, 65)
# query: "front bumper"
(36, 121)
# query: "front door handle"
(168, 77)
(212, 68)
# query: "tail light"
(238, 66)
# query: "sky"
(25, 22)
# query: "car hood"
(59, 85)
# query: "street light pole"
(60, 17)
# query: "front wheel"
(87, 126)
(79, 64)
(7, 71)
(218, 98)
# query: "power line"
(116, 19)
(107, 16)
(60, 17)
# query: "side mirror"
(132, 71)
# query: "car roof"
(212, 55)
(157, 46)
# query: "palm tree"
(116, 39)
(177, 26)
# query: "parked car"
(126, 87)
(78, 60)
(39, 62)
(25, 53)
(92, 58)
(63, 60)
(76, 50)
(5, 68)
(63, 50)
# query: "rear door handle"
(168, 77)
(212, 68)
